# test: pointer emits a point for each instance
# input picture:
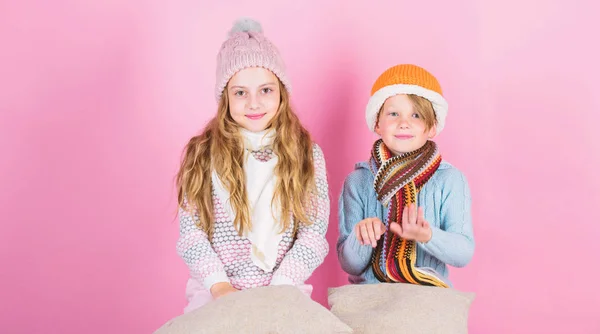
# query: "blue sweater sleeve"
(354, 258)
(453, 242)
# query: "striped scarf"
(397, 183)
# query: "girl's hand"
(219, 290)
(369, 230)
(414, 226)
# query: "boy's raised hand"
(369, 230)
(414, 226)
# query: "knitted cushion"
(278, 309)
(401, 308)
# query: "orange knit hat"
(406, 79)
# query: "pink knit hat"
(245, 47)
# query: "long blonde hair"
(220, 146)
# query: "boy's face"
(401, 128)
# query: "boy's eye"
(415, 115)
(393, 113)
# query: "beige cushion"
(278, 309)
(401, 308)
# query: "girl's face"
(401, 127)
(254, 98)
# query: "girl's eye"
(266, 90)
(393, 113)
(415, 115)
(240, 93)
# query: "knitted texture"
(406, 79)
(397, 183)
(226, 258)
(263, 154)
(409, 75)
(446, 200)
(246, 47)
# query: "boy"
(405, 214)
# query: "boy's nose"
(403, 123)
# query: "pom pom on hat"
(245, 24)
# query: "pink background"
(98, 98)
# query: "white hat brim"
(440, 105)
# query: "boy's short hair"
(424, 108)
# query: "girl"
(252, 188)
(383, 236)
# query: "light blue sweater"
(446, 201)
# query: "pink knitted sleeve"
(196, 251)
(310, 247)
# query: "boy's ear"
(377, 128)
(432, 132)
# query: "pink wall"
(97, 100)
